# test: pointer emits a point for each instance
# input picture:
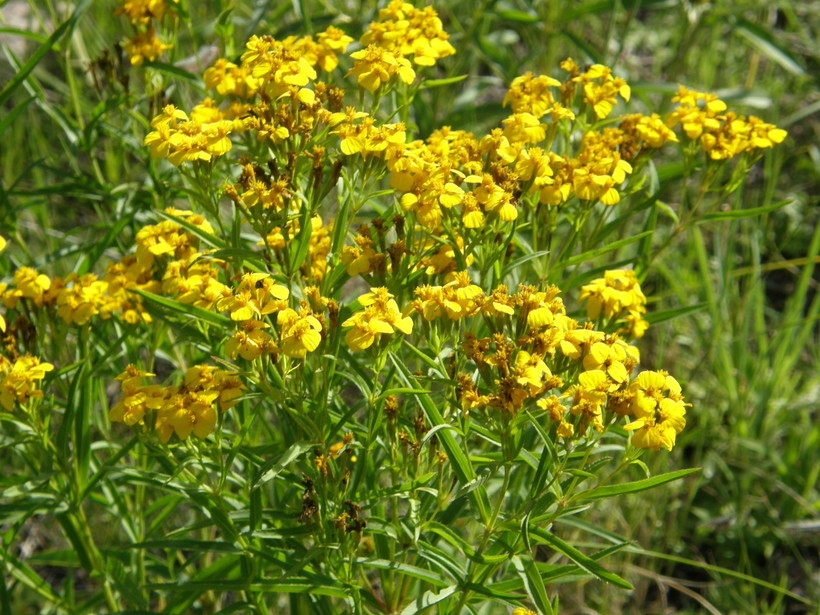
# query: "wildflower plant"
(362, 369)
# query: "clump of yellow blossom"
(404, 30)
(375, 66)
(601, 89)
(654, 400)
(145, 45)
(380, 316)
(531, 94)
(142, 12)
(190, 408)
(721, 133)
(181, 138)
(19, 380)
(618, 294)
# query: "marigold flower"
(531, 94)
(142, 12)
(616, 294)
(405, 30)
(18, 380)
(144, 46)
(380, 317)
(375, 66)
(300, 332)
(601, 89)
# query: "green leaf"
(302, 240)
(199, 546)
(586, 563)
(435, 83)
(518, 16)
(657, 317)
(174, 71)
(590, 53)
(295, 585)
(769, 45)
(533, 583)
(514, 265)
(95, 251)
(429, 599)
(64, 29)
(24, 33)
(458, 460)
(721, 571)
(609, 491)
(273, 467)
(445, 560)
(615, 245)
(406, 569)
(737, 214)
(452, 537)
(238, 607)
(9, 117)
(190, 311)
(17, 569)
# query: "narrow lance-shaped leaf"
(608, 491)
(587, 563)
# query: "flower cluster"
(380, 316)
(203, 135)
(190, 407)
(375, 65)
(403, 30)
(455, 194)
(531, 94)
(721, 133)
(617, 295)
(297, 331)
(19, 380)
(145, 45)
(654, 399)
(166, 260)
(549, 349)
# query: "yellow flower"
(524, 128)
(459, 298)
(601, 89)
(405, 30)
(251, 341)
(375, 66)
(187, 413)
(648, 130)
(659, 417)
(609, 359)
(299, 333)
(81, 298)
(18, 381)
(380, 316)
(144, 46)
(617, 293)
(256, 295)
(531, 94)
(27, 283)
(141, 12)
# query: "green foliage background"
(73, 167)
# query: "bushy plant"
(360, 368)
